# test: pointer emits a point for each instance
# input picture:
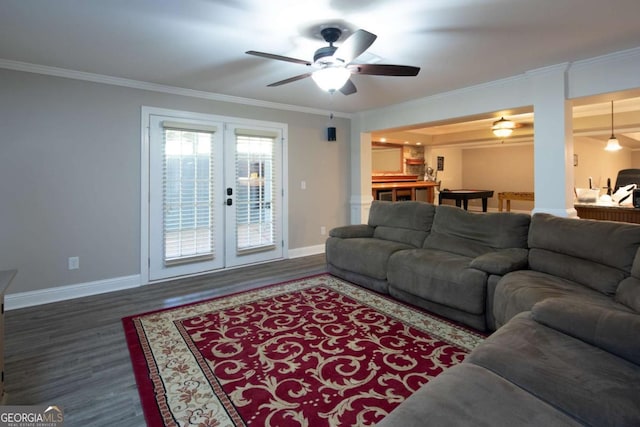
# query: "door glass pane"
(188, 225)
(255, 184)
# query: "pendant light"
(503, 128)
(612, 143)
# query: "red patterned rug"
(312, 352)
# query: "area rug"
(311, 352)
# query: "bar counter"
(608, 212)
(398, 188)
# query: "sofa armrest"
(351, 231)
(502, 261)
(615, 331)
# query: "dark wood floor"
(73, 353)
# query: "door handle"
(229, 191)
(229, 202)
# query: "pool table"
(462, 197)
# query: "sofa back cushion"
(405, 222)
(597, 254)
(614, 330)
(628, 292)
(472, 234)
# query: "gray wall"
(70, 175)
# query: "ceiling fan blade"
(354, 46)
(384, 70)
(290, 80)
(348, 88)
(278, 57)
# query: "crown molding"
(155, 87)
(610, 57)
(563, 67)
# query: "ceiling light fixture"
(503, 128)
(612, 143)
(331, 79)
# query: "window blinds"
(188, 193)
(255, 191)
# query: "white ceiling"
(200, 44)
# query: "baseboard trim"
(62, 293)
(306, 251)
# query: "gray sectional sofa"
(552, 366)
(581, 260)
(563, 294)
(360, 253)
(441, 258)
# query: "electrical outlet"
(323, 230)
(303, 185)
(74, 263)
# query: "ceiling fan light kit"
(331, 79)
(503, 128)
(334, 64)
(612, 143)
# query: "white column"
(553, 141)
(360, 201)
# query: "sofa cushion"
(376, 285)
(520, 290)
(438, 276)
(351, 231)
(502, 261)
(598, 254)
(471, 234)
(628, 292)
(600, 277)
(476, 321)
(364, 256)
(615, 330)
(468, 395)
(594, 386)
(407, 222)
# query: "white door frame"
(146, 113)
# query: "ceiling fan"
(334, 64)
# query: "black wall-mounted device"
(331, 133)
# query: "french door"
(215, 194)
